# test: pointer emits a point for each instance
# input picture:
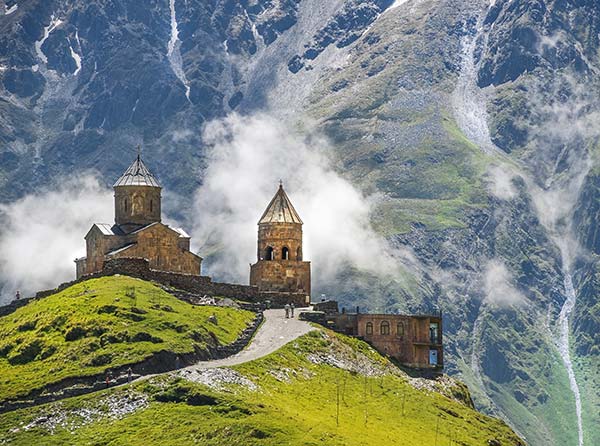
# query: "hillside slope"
(103, 324)
(322, 388)
(473, 123)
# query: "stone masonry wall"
(201, 285)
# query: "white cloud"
(247, 158)
(501, 182)
(498, 285)
(43, 233)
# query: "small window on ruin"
(369, 328)
(434, 332)
(151, 207)
(299, 254)
(125, 202)
(285, 253)
(269, 253)
(384, 328)
(400, 329)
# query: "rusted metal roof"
(280, 210)
(137, 175)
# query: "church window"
(299, 254)
(400, 329)
(269, 253)
(137, 205)
(369, 328)
(285, 253)
(384, 328)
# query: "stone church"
(280, 266)
(138, 231)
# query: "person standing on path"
(129, 374)
(107, 379)
(292, 307)
(287, 311)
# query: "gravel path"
(274, 333)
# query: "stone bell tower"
(137, 197)
(280, 266)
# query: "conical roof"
(280, 210)
(137, 175)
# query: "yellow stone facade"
(280, 266)
(138, 231)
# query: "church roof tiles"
(137, 175)
(280, 210)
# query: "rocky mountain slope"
(472, 122)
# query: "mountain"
(473, 123)
(320, 387)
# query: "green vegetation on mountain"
(322, 388)
(101, 324)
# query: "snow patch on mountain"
(76, 57)
(9, 11)
(54, 23)
(174, 53)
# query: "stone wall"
(14, 306)
(201, 285)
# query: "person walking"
(292, 309)
(129, 375)
(287, 310)
(107, 380)
(18, 295)
(177, 363)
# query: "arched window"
(400, 329)
(299, 253)
(151, 207)
(269, 254)
(125, 204)
(384, 328)
(285, 253)
(369, 328)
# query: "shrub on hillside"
(26, 352)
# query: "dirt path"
(274, 333)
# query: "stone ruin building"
(415, 341)
(280, 266)
(138, 231)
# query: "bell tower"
(137, 197)
(280, 266)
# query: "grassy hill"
(101, 324)
(322, 389)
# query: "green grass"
(100, 324)
(296, 403)
(587, 370)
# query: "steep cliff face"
(475, 120)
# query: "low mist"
(43, 233)
(246, 159)
(499, 285)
